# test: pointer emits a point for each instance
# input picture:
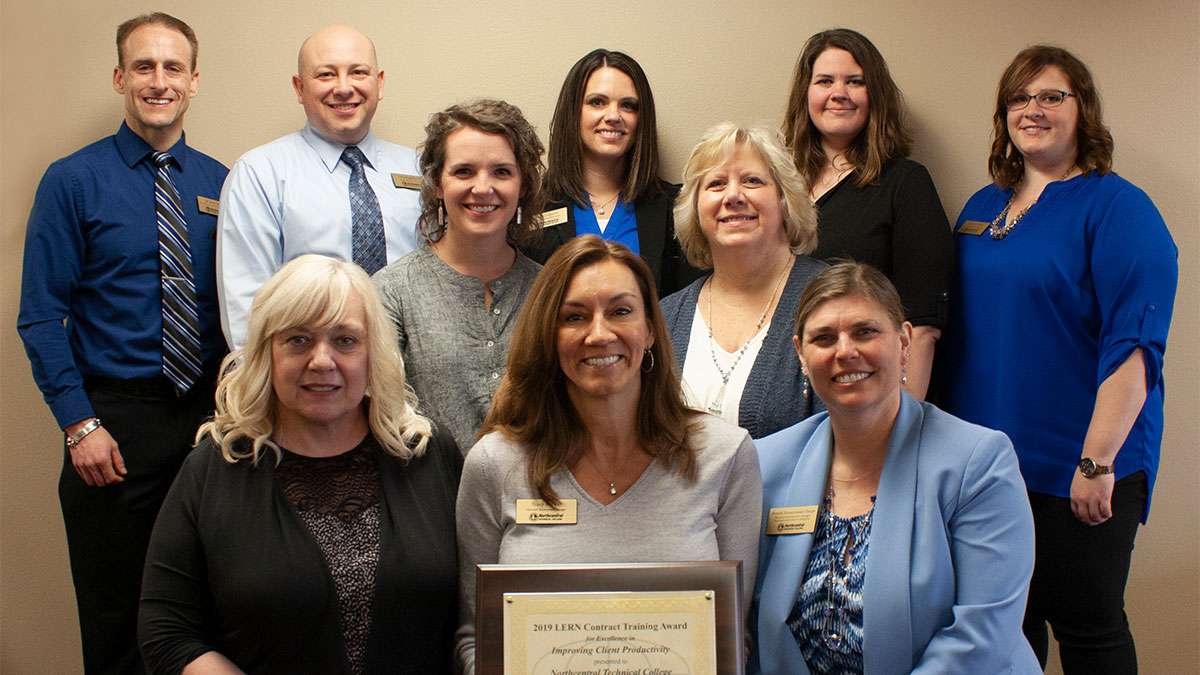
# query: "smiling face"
(157, 82)
(319, 374)
(739, 205)
(603, 332)
(854, 355)
(609, 117)
(339, 83)
(838, 104)
(480, 184)
(1046, 136)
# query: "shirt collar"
(330, 152)
(134, 148)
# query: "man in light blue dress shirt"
(292, 196)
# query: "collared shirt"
(291, 197)
(455, 347)
(91, 260)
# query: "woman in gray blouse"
(455, 299)
(591, 414)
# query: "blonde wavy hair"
(312, 290)
(716, 147)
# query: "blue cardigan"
(772, 399)
(951, 548)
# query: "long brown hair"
(564, 177)
(531, 406)
(883, 138)
(1094, 143)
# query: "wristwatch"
(1090, 469)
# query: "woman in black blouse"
(845, 128)
(312, 529)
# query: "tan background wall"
(707, 62)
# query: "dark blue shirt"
(90, 290)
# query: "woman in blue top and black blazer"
(603, 168)
(918, 547)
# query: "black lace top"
(337, 499)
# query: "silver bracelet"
(90, 426)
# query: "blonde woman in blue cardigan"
(898, 538)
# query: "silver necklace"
(716, 405)
(612, 485)
(603, 208)
(998, 229)
(839, 567)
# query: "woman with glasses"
(917, 547)
(845, 128)
(1064, 296)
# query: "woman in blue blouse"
(1065, 289)
(602, 177)
(898, 538)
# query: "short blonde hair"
(716, 146)
(312, 290)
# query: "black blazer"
(656, 239)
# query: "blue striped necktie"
(368, 242)
(180, 320)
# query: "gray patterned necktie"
(180, 318)
(368, 242)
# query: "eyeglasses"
(1046, 98)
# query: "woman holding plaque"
(1065, 292)
(845, 128)
(590, 418)
(603, 168)
(744, 212)
(915, 547)
(311, 529)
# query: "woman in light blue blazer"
(898, 538)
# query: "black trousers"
(108, 528)
(1078, 584)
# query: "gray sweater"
(772, 399)
(663, 517)
(454, 347)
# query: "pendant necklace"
(603, 207)
(612, 485)
(717, 404)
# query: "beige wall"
(708, 62)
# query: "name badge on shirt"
(554, 217)
(975, 227)
(538, 512)
(206, 205)
(792, 520)
(406, 182)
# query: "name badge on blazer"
(207, 205)
(406, 182)
(792, 520)
(975, 227)
(554, 217)
(538, 512)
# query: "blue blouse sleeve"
(1135, 271)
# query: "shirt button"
(495, 376)
(491, 343)
(496, 311)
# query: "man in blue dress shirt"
(331, 188)
(119, 319)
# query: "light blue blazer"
(951, 548)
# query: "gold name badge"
(975, 227)
(210, 206)
(554, 217)
(792, 520)
(406, 182)
(538, 512)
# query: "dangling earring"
(647, 353)
(518, 215)
(903, 377)
(804, 387)
(441, 214)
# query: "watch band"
(1090, 469)
(87, 428)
